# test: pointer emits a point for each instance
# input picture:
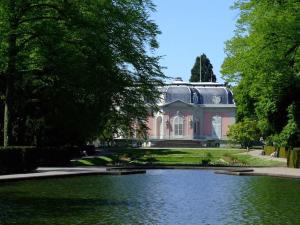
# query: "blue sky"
(192, 27)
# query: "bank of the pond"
(60, 172)
(282, 172)
(130, 161)
(178, 157)
(57, 172)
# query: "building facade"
(192, 111)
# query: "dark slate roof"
(193, 94)
(175, 93)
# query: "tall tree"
(71, 66)
(263, 59)
(207, 74)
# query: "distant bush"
(245, 132)
(269, 150)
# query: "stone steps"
(178, 143)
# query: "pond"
(167, 197)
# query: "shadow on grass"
(143, 155)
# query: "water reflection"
(272, 201)
(165, 197)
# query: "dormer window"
(195, 98)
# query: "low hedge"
(293, 159)
(269, 150)
(283, 152)
(18, 159)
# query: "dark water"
(167, 197)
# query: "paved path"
(277, 172)
(283, 172)
(257, 153)
(53, 172)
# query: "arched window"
(178, 126)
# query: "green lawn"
(218, 156)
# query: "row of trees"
(263, 59)
(71, 70)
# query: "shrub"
(205, 162)
(244, 132)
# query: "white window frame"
(178, 125)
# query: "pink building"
(192, 111)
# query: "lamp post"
(200, 69)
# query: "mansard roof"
(197, 93)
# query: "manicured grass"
(176, 156)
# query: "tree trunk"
(6, 122)
(10, 73)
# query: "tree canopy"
(263, 60)
(69, 69)
(207, 74)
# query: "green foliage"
(286, 136)
(244, 132)
(207, 74)
(76, 69)
(263, 59)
